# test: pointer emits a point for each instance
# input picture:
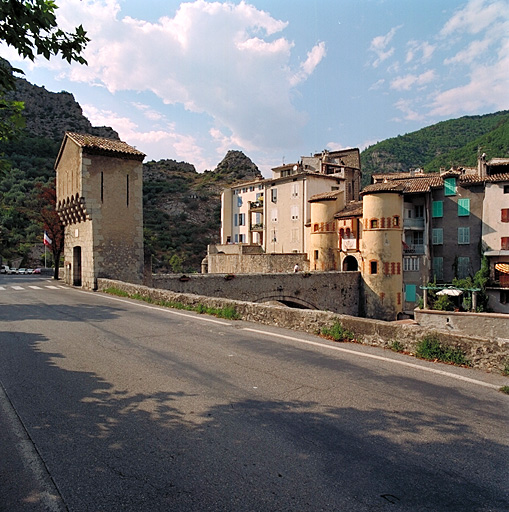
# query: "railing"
(257, 227)
(417, 223)
(413, 249)
(254, 205)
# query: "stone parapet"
(483, 353)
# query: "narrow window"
(316, 254)
(505, 215)
(373, 267)
(395, 221)
(374, 223)
(504, 243)
(273, 193)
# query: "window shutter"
(463, 207)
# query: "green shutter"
(464, 235)
(450, 186)
(463, 207)
(437, 236)
(410, 292)
(438, 268)
(437, 208)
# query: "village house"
(401, 232)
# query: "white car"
(22, 271)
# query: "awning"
(453, 292)
(502, 267)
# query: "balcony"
(417, 223)
(256, 227)
(256, 205)
(413, 249)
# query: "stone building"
(100, 202)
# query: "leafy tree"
(30, 27)
(51, 221)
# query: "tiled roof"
(91, 142)
(388, 186)
(498, 161)
(325, 196)
(352, 209)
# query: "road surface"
(108, 404)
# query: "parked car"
(30, 271)
(37, 271)
(5, 269)
(22, 271)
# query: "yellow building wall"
(382, 254)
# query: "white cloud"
(215, 58)
(408, 110)
(379, 46)
(405, 83)
(421, 51)
(150, 142)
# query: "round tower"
(382, 251)
(323, 240)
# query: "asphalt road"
(107, 404)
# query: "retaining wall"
(483, 353)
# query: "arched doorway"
(76, 266)
(350, 264)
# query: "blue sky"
(279, 79)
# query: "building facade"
(99, 189)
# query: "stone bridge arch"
(288, 300)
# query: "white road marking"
(17, 288)
(170, 310)
(2, 288)
(35, 287)
(51, 287)
(380, 358)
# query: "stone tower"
(382, 252)
(100, 202)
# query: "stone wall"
(243, 259)
(483, 352)
(491, 325)
(329, 291)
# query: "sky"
(278, 79)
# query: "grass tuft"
(505, 389)
(337, 333)
(431, 349)
(396, 346)
(227, 312)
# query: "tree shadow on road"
(109, 449)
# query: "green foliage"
(480, 280)
(396, 346)
(337, 332)
(30, 27)
(431, 349)
(443, 303)
(505, 389)
(505, 371)
(227, 312)
(453, 142)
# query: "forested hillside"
(453, 142)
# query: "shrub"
(337, 332)
(431, 349)
(443, 303)
(396, 346)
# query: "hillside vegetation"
(448, 143)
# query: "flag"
(47, 240)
